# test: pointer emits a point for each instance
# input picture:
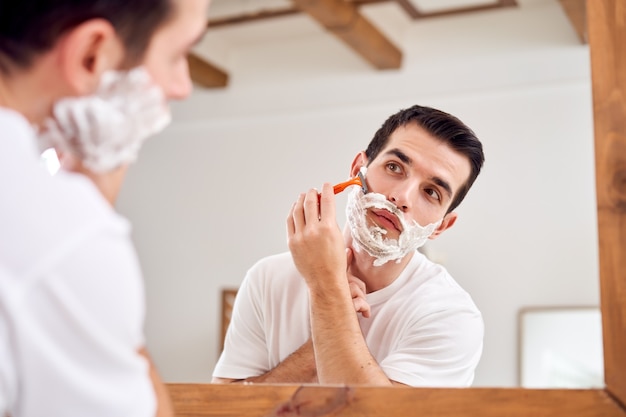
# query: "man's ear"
(447, 222)
(360, 160)
(86, 51)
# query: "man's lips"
(387, 218)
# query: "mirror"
(208, 197)
(561, 347)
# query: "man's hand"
(109, 183)
(319, 252)
(315, 240)
(357, 290)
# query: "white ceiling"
(228, 8)
(429, 6)
(385, 15)
(388, 16)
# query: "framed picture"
(228, 300)
(561, 348)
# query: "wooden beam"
(576, 11)
(412, 11)
(344, 20)
(251, 17)
(607, 31)
(234, 400)
(406, 5)
(206, 74)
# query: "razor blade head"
(363, 183)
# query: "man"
(71, 291)
(364, 307)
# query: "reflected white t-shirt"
(424, 329)
(71, 293)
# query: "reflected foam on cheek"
(372, 239)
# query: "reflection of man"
(294, 317)
(71, 292)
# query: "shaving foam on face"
(107, 129)
(371, 238)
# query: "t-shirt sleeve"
(441, 349)
(78, 329)
(245, 351)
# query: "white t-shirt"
(424, 329)
(71, 293)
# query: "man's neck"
(374, 277)
(30, 92)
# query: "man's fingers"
(361, 306)
(349, 257)
(357, 285)
(357, 290)
(311, 206)
(327, 203)
(297, 214)
(291, 227)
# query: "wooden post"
(607, 41)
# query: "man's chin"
(392, 233)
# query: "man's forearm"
(164, 403)
(319, 253)
(341, 354)
(299, 367)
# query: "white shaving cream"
(107, 129)
(371, 238)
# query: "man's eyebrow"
(437, 180)
(401, 155)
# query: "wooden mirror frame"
(606, 26)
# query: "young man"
(364, 307)
(71, 291)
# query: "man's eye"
(393, 167)
(433, 193)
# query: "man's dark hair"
(31, 27)
(442, 126)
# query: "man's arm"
(247, 356)
(299, 367)
(108, 183)
(163, 400)
(340, 349)
(341, 354)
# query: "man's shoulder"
(45, 217)
(33, 197)
(13, 122)
(433, 283)
(275, 271)
(276, 261)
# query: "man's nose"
(401, 195)
(180, 86)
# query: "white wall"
(208, 197)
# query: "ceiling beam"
(412, 11)
(343, 20)
(250, 17)
(576, 11)
(405, 5)
(206, 74)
